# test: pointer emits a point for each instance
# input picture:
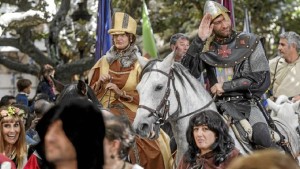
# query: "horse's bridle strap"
(164, 101)
(162, 72)
(198, 110)
(152, 111)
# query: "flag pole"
(103, 39)
(230, 6)
(247, 21)
(149, 45)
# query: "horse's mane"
(182, 73)
(70, 91)
(179, 70)
(149, 66)
(73, 90)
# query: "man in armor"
(236, 68)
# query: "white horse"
(168, 91)
(286, 116)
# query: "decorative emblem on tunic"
(242, 42)
(224, 51)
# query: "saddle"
(243, 132)
(236, 115)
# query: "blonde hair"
(20, 145)
(264, 159)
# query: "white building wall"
(8, 83)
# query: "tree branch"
(10, 2)
(20, 67)
(64, 72)
(10, 42)
(59, 21)
(36, 54)
(20, 19)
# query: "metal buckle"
(230, 98)
(160, 121)
(226, 99)
(239, 97)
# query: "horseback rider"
(237, 71)
(114, 79)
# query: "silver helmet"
(214, 9)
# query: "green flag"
(149, 47)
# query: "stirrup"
(275, 136)
(247, 127)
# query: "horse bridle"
(164, 103)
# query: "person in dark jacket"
(179, 43)
(46, 84)
(24, 89)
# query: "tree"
(60, 54)
(268, 19)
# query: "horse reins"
(109, 95)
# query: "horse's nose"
(143, 129)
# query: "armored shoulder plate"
(232, 53)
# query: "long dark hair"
(224, 143)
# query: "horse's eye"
(158, 87)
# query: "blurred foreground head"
(73, 131)
(264, 159)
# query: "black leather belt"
(233, 98)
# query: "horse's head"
(78, 89)
(155, 96)
(286, 110)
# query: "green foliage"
(268, 17)
(68, 42)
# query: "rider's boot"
(261, 135)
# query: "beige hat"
(122, 23)
(214, 9)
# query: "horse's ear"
(282, 99)
(273, 106)
(59, 86)
(142, 60)
(169, 60)
(82, 87)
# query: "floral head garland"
(12, 111)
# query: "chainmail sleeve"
(254, 76)
(192, 60)
(258, 60)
